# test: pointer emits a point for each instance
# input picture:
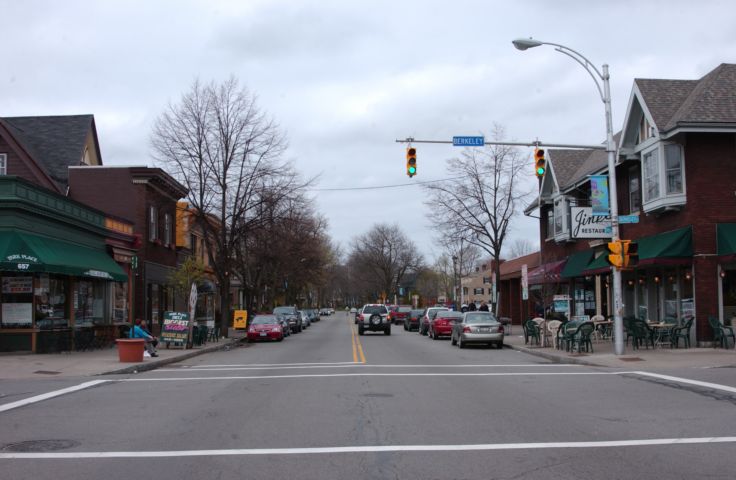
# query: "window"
(3, 164)
(550, 224)
(645, 130)
(167, 229)
(152, 223)
(120, 302)
(650, 175)
(477, 291)
(193, 244)
(673, 168)
(662, 176)
(89, 303)
(634, 190)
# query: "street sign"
(628, 219)
(468, 141)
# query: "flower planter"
(131, 349)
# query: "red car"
(441, 325)
(398, 313)
(265, 327)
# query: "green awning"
(576, 263)
(598, 265)
(26, 252)
(675, 245)
(726, 238)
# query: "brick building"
(674, 173)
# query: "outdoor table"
(660, 330)
(603, 329)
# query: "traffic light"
(615, 254)
(540, 164)
(411, 161)
(623, 254)
(630, 253)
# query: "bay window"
(662, 176)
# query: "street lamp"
(601, 80)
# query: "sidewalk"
(652, 359)
(96, 362)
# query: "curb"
(144, 367)
(553, 357)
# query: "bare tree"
(520, 247)
(383, 255)
(227, 152)
(481, 196)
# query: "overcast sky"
(345, 79)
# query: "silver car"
(477, 327)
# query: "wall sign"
(583, 224)
(17, 284)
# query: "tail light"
(362, 317)
(468, 330)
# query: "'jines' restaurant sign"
(586, 225)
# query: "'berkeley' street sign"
(468, 141)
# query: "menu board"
(175, 328)
(17, 284)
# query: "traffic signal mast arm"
(513, 144)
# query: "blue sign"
(628, 219)
(468, 141)
(599, 194)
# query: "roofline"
(18, 146)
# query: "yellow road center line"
(352, 340)
(360, 350)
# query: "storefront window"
(120, 302)
(89, 302)
(17, 301)
(51, 306)
(154, 300)
(687, 303)
(669, 287)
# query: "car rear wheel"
(387, 331)
(360, 329)
(406, 328)
(499, 345)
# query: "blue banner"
(599, 194)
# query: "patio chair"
(721, 332)
(566, 336)
(202, 334)
(600, 332)
(641, 332)
(682, 332)
(531, 331)
(581, 337)
(552, 328)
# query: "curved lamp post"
(601, 79)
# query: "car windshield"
(283, 310)
(480, 317)
(263, 320)
(416, 313)
(371, 309)
(404, 309)
(450, 315)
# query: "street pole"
(605, 93)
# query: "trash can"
(130, 349)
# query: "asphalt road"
(310, 408)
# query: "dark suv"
(292, 316)
(374, 317)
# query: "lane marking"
(267, 364)
(715, 386)
(352, 341)
(338, 375)
(363, 366)
(357, 346)
(373, 449)
(46, 396)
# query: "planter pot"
(131, 349)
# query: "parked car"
(427, 317)
(411, 321)
(441, 325)
(265, 327)
(374, 317)
(306, 323)
(292, 316)
(324, 311)
(398, 314)
(353, 310)
(478, 327)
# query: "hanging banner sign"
(585, 224)
(599, 194)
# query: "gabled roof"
(565, 164)
(675, 103)
(55, 142)
(512, 268)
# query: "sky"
(346, 79)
